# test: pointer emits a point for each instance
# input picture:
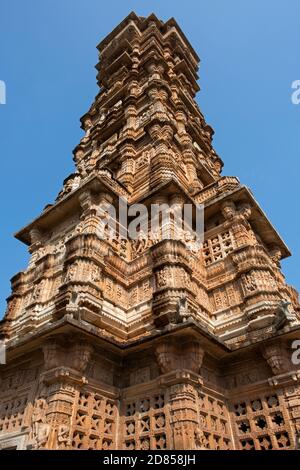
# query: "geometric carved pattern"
(158, 301)
(94, 422)
(146, 424)
(11, 414)
(224, 297)
(262, 424)
(218, 247)
(214, 422)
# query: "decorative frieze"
(208, 326)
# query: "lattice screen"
(218, 247)
(214, 422)
(12, 414)
(146, 423)
(94, 422)
(262, 423)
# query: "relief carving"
(116, 329)
(171, 356)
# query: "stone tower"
(116, 343)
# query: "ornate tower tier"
(115, 342)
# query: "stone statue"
(63, 437)
(40, 428)
(284, 315)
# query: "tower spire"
(142, 343)
(146, 108)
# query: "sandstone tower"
(145, 344)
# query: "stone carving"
(63, 437)
(249, 282)
(276, 255)
(238, 220)
(276, 356)
(284, 314)
(200, 439)
(66, 352)
(52, 354)
(81, 355)
(40, 428)
(171, 357)
(115, 329)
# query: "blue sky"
(249, 54)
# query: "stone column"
(292, 399)
(184, 420)
(163, 162)
(35, 246)
(277, 356)
(126, 173)
(60, 400)
(65, 361)
(177, 211)
(131, 114)
(180, 361)
(189, 159)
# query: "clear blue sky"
(249, 57)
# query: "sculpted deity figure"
(228, 210)
(231, 213)
(237, 220)
(200, 439)
(63, 437)
(40, 428)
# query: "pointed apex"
(141, 23)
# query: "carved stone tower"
(115, 343)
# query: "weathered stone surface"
(147, 344)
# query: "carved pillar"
(131, 114)
(181, 122)
(292, 399)
(61, 394)
(276, 355)
(180, 361)
(89, 213)
(177, 212)
(94, 212)
(35, 245)
(160, 218)
(105, 223)
(184, 420)
(163, 159)
(237, 220)
(65, 362)
(126, 173)
(172, 282)
(189, 159)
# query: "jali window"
(146, 423)
(94, 422)
(217, 247)
(262, 424)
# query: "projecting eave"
(172, 22)
(132, 16)
(66, 207)
(258, 219)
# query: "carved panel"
(214, 423)
(262, 423)
(94, 422)
(145, 423)
(218, 247)
(12, 414)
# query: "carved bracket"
(172, 355)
